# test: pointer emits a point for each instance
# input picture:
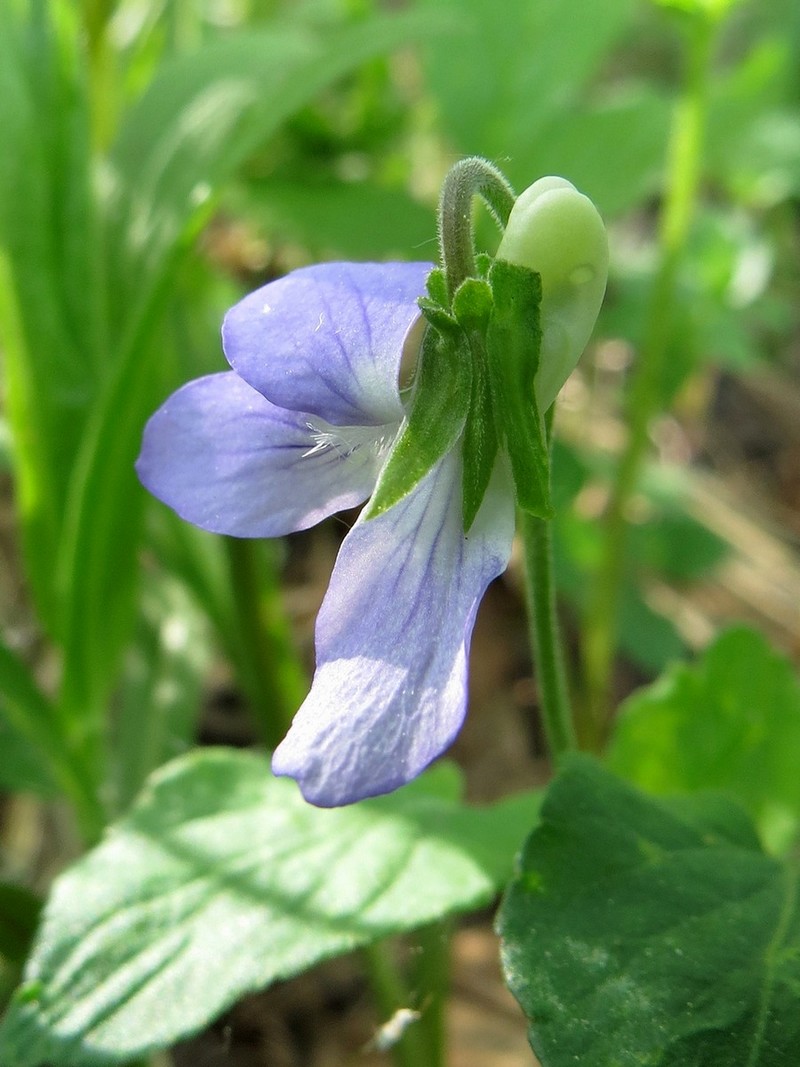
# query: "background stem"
(390, 993)
(267, 660)
(102, 86)
(432, 979)
(644, 395)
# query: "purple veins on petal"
(328, 339)
(226, 459)
(390, 688)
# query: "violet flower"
(302, 427)
(297, 431)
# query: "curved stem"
(644, 396)
(468, 178)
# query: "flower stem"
(540, 595)
(644, 396)
(432, 979)
(269, 667)
(466, 179)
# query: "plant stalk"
(390, 993)
(432, 979)
(268, 662)
(467, 179)
(644, 395)
(540, 596)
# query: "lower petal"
(229, 461)
(390, 689)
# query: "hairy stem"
(468, 178)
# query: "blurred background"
(160, 159)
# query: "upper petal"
(227, 460)
(328, 338)
(390, 688)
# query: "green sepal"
(436, 306)
(483, 263)
(436, 284)
(513, 343)
(472, 304)
(472, 307)
(479, 444)
(437, 316)
(435, 422)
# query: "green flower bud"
(557, 231)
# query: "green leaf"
(670, 541)
(34, 733)
(207, 111)
(677, 546)
(46, 290)
(649, 639)
(711, 9)
(637, 935)
(754, 130)
(731, 721)
(19, 915)
(613, 151)
(513, 341)
(531, 62)
(223, 879)
(28, 745)
(354, 220)
(161, 691)
(439, 407)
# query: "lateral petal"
(328, 339)
(227, 460)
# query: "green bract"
(557, 232)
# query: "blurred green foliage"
(161, 156)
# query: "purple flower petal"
(390, 689)
(228, 461)
(328, 339)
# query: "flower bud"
(557, 231)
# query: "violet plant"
(634, 929)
